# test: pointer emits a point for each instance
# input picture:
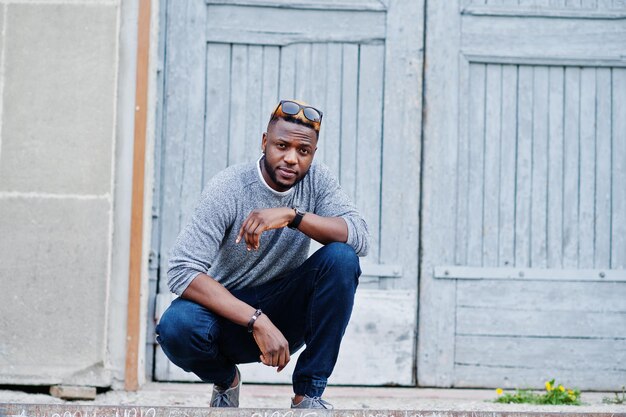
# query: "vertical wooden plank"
(237, 151)
(133, 342)
(191, 185)
(253, 104)
(539, 203)
(318, 82)
(523, 166)
(183, 125)
(303, 72)
(586, 216)
(436, 342)
(602, 250)
(462, 167)
(555, 167)
(491, 180)
(401, 147)
(618, 227)
(318, 75)
(157, 195)
(369, 150)
(287, 81)
(571, 158)
(271, 72)
(476, 164)
(331, 122)
(217, 110)
(506, 238)
(349, 113)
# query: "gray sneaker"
(312, 402)
(226, 397)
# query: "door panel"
(226, 65)
(524, 146)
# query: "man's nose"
(291, 156)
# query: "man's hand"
(209, 293)
(259, 221)
(273, 345)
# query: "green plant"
(554, 394)
(620, 398)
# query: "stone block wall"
(58, 85)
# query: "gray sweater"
(207, 244)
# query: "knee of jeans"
(178, 332)
(343, 256)
(171, 330)
(345, 263)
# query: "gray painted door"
(226, 64)
(524, 205)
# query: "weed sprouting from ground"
(620, 398)
(554, 394)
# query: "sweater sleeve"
(198, 243)
(332, 201)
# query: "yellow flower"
(499, 391)
(561, 388)
(570, 392)
(548, 386)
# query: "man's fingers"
(276, 359)
(284, 361)
(256, 237)
(253, 235)
(248, 231)
(243, 228)
(257, 222)
(269, 356)
(240, 234)
(266, 359)
(263, 359)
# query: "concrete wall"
(59, 68)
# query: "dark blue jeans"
(310, 305)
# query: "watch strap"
(296, 220)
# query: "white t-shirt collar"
(278, 193)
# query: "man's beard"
(272, 174)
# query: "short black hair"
(292, 119)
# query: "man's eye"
(304, 151)
(281, 146)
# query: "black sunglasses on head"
(292, 108)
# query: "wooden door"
(524, 206)
(225, 66)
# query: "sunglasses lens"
(312, 114)
(289, 107)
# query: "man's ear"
(264, 142)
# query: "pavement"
(192, 399)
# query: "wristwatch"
(296, 220)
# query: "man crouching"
(247, 290)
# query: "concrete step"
(77, 410)
(191, 400)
